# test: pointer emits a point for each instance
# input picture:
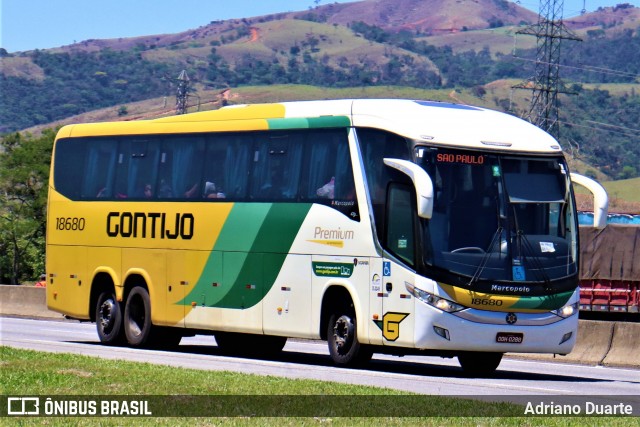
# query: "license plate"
(509, 337)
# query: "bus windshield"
(499, 217)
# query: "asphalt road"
(310, 359)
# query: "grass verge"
(29, 373)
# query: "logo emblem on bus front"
(511, 318)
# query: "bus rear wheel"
(479, 363)
(137, 317)
(109, 319)
(344, 348)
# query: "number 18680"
(70, 223)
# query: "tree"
(24, 175)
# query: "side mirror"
(600, 198)
(421, 182)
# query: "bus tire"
(109, 319)
(137, 317)
(479, 363)
(344, 347)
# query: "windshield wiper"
(522, 241)
(485, 258)
(529, 253)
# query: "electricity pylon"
(546, 84)
(182, 95)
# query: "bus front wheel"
(344, 348)
(479, 363)
(137, 317)
(109, 319)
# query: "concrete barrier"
(598, 343)
(25, 301)
(592, 345)
(625, 345)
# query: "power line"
(601, 70)
(601, 129)
(614, 126)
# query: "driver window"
(399, 231)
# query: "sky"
(44, 24)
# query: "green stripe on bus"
(329, 122)
(243, 224)
(270, 249)
(547, 302)
(314, 122)
(248, 255)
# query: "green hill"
(461, 53)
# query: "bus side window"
(235, 179)
(321, 170)
(101, 162)
(277, 162)
(69, 173)
(181, 161)
(399, 238)
(214, 170)
(329, 175)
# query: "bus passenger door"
(397, 320)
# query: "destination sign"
(468, 159)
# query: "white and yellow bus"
(380, 226)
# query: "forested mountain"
(455, 50)
(427, 44)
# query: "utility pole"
(182, 94)
(545, 84)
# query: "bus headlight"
(433, 300)
(568, 310)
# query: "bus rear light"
(444, 333)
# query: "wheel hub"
(106, 314)
(343, 331)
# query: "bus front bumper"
(489, 331)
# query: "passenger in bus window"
(211, 192)
(192, 191)
(327, 191)
(148, 191)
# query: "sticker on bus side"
(332, 269)
(386, 268)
